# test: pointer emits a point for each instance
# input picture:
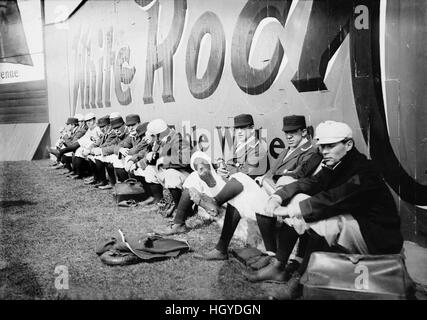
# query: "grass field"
(48, 220)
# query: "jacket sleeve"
(177, 154)
(309, 185)
(308, 164)
(256, 162)
(355, 193)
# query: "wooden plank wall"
(20, 141)
(24, 102)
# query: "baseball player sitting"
(243, 193)
(249, 157)
(85, 142)
(345, 207)
(98, 173)
(114, 134)
(167, 165)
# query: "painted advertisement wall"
(198, 63)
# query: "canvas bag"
(130, 189)
(354, 277)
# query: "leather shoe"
(288, 291)
(100, 184)
(214, 254)
(106, 187)
(174, 229)
(275, 271)
(149, 201)
(262, 262)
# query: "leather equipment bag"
(339, 276)
(130, 189)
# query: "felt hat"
(293, 122)
(243, 120)
(116, 122)
(132, 119)
(141, 129)
(102, 122)
(72, 121)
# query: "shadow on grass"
(16, 203)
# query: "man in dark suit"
(345, 207)
(167, 165)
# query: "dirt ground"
(48, 221)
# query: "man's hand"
(273, 203)
(124, 151)
(85, 152)
(259, 179)
(97, 151)
(194, 195)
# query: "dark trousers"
(67, 162)
(184, 208)
(231, 221)
(111, 173)
(121, 174)
(81, 166)
(100, 171)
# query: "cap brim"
(328, 140)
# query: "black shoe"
(288, 291)
(212, 255)
(100, 184)
(107, 186)
(262, 262)
(174, 229)
(275, 271)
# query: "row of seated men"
(320, 193)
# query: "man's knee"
(174, 178)
(285, 180)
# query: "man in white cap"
(345, 207)
(167, 165)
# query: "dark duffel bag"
(339, 276)
(130, 189)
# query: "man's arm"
(357, 192)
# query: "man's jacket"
(115, 139)
(249, 158)
(175, 151)
(134, 143)
(75, 135)
(305, 154)
(355, 187)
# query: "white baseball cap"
(90, 116)
(115, 115)
(156, 126)
(79, 117)
(332, 131)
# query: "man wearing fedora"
(106, 152)
(345, 207)
(98, 173)
(118, 152)
(243, 193)
(167, 165)
(115, 128)
(69, 139)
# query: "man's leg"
(100, 171)
(231, 220)
(276, 271)
(121, 173)
(67, 162)
(111, 177)
(182, 212)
